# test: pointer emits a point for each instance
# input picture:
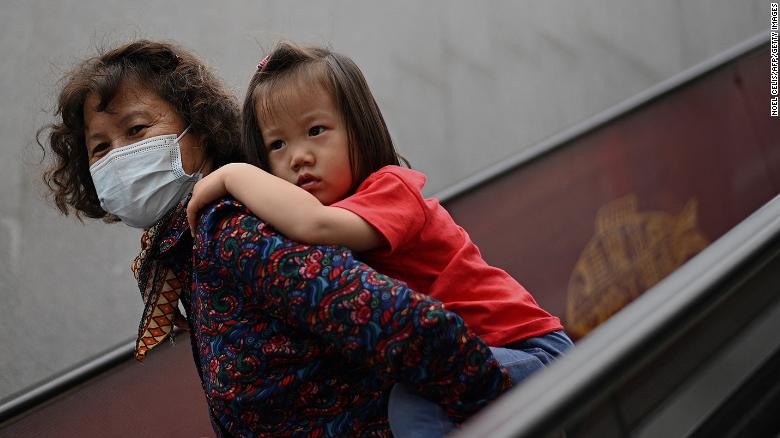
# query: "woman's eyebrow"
(133, 114)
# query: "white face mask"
(140, 182)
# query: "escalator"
(663, 206)
(698, 355)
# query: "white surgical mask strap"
(199, 172)
(182, 134)
(203, 164)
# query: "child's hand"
(211, 187)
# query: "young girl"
(332, 176)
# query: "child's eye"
(315, 131)
(275, 145)
(136, 129)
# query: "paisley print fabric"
(299, 340)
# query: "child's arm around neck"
(290, 209)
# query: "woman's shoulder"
(225, 218)
(231, 236)
(219, 209)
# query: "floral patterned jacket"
(301, 340)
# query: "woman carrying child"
(288, 339)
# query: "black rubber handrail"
(32, 396)
(587, 375)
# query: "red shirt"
(432, 254)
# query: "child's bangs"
(273, 93)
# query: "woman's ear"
(200, 141)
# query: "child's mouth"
(308, 182)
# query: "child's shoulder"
(409, 177)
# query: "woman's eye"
(315, 131)
(135, 130)
(275, 145)
(100, 148)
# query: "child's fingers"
(193, 207)
(192, 216)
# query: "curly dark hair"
(172, 72)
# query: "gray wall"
(463, 85)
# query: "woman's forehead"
(128, 93)
(130, 98)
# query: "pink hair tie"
(262, 63)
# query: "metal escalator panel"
(160, 397)
(674, 362)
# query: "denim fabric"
(413, 416)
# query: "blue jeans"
(411, 415)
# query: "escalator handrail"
(584, 376)
(30, 397)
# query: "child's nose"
(301, 157)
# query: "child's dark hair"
(172, 73)
(369, 143)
